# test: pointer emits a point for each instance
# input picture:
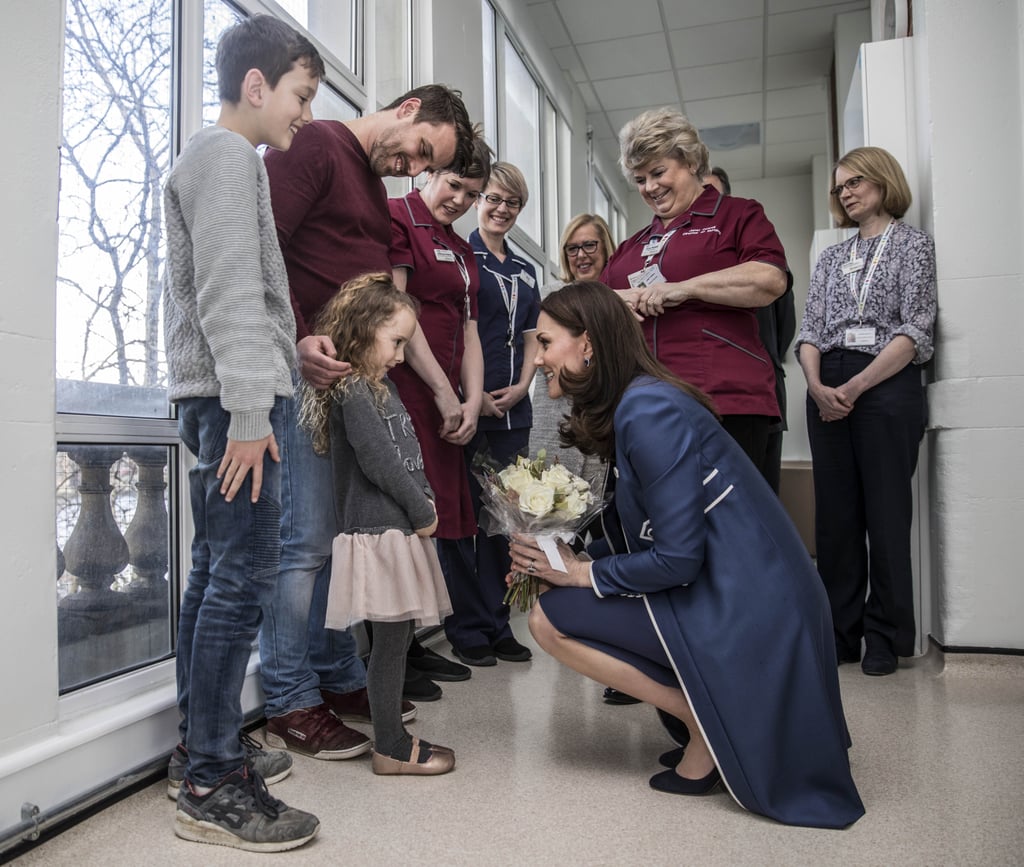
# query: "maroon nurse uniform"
(443, 277)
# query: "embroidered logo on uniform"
(646, 532)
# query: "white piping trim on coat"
(719, 499)
(686, 695)
(711, 475)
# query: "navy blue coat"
(738, 605)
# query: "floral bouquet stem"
(522, 592)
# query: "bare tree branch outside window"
(114, 157)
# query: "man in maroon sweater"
(330, 206)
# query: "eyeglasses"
(511, 204)
(588, 247)
(851, 184)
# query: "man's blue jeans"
(235, 554)
(299, 655)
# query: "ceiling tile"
(638, 90)
(776, 6)
(791, 158)
(742, 162)
(613, 20)
(569, 60)
(589, 97)
(810, 127)
(809, 28)
(550, 24)
(798, 69)
(621, 117)
(721, 79)
(695, 14)
(794, 101)
(717, 43)
(730, 109)
(634, 55)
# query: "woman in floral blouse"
(867, 328)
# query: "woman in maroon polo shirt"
(698, 272)
(446, 368)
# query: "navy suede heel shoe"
(672, 758)
(671, 782)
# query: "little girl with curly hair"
(384, 569)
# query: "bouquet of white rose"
(531, 496)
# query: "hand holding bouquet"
(530, 496)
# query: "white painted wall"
(28, 229)
(971, 56)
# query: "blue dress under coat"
(737, 604)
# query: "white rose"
(559, 478)
(580, 485)
(576, 504)
(537, 499)
(516, 478)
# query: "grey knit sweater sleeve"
(228, 320)
(377, 463)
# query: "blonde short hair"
(508, 177)
(880, 167)
(660, 133)
(578, 222)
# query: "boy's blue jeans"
(235, 555)
(298, 655)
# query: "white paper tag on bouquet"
(549, 545)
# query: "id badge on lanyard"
(863, 335)
(651, 272)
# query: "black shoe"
(675, 727)
(878, 656)
(671, 782)
(672, 758)
(879, 662)
(481, 655)
(614, 696)
(435, 666)
(511, 650)
(419, 688)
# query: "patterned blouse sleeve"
(813, 325)
(918, 302)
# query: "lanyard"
(463, 270)
(661, 241)
(861, 298)
(511, 299)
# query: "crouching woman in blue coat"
(713, 612)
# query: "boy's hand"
(318, 361)
(241, 456)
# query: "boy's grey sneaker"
(272, 765)
(241, 813)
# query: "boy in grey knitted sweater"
(230, 335)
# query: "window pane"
(328, 104)
(490, 78)
(522, 135)
(552, 229)
(564, 179)
(114, 158)
(217, 17)
(113, 596)
(393, 40)
(600, 200)
(330, 21)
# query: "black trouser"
(751, 432)
(863, 465)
